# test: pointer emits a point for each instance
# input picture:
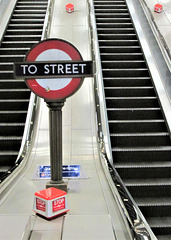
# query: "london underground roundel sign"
(53, 69)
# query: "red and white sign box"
(158, 8)
(50, 202)
(69, 7)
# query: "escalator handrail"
(136, 223)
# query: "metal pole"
(55, 136)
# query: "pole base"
(63, 185)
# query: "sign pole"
(55, 136)
(54, 70)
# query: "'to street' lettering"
(53, 69)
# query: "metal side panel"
(89, 198)
(6, 10)
(156, 63)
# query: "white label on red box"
(40, 205)
(58, 204)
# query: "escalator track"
(23, 31)
(140, 141)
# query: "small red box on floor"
(69, 7)
(50, 202)
(158, 8)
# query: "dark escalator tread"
(140, 139)
(127, 82)
(138, 170)
(141, 154)
(133, 126)
(8, 158)
(161, 226)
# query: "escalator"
(23, 31)
(140, 141)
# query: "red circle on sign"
(63, 46)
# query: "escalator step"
(12, 129)
(129, 92)
(141, 154)
(8, 158)
(138, 170)
(14, 84)
(128, 102)
(140, 139)
(127, 82)
(133, 126)
(134, 113)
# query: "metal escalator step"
(155, 207)
(112, 25)
(12, 51)
(6, 67)
(112, 19)
(148, 188)
(122, 56)
(30, 11)
(26, 21)
(108, 2)
(13, 129)
(127, 126)
(30, 6)
(128, 102)
(8, 158)
(134, 113)
(161, 226)
(4, 169)
(110, 7)
(140, 139)
(112, 15)
(115, 30)
(28, 16)
(13, 116)
(25, 25)
(14, 84)
(22, 37)
(136, 72)
(25, 32)
(31, 2)
(111, 36)
(15, 93)
(6, 74)
(120, 49)
(17, 44)
(11, 58)
(103, 43)
(10, 142)
(121, 10)
(123, 64)
(129, 91)
(140, 170)
(14, 104)
(127, 82)
(141, 154)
